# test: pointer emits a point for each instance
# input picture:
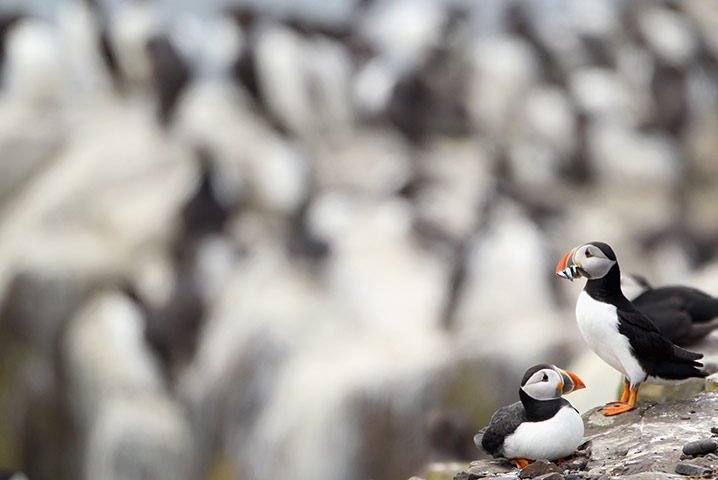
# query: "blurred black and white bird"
(683, 314)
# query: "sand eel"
(683, 314)
(620, 333)
(542, 425)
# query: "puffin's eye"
(545, 378)
(588, 253)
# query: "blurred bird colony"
(244, 240)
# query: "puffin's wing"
(670, 318)
(632, 318)
(699, 305)
(662, 357)
(647, 341)
(503, 423)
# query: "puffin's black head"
(545, 382)
(590, 260)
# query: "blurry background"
(316, 239)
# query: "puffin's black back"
(683, 314)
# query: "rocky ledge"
(675, 439)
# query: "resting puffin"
(617, 331)
(683, 314)
(541, 425)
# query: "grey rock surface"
(538, 469)
(692, 470)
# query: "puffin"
(542, 425)
(683, 314)
(618, 332)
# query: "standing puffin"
(617, 331)
(683, 314)
(541, 425)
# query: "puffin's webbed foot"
(614, 408)
(624, 395)
(521, 462)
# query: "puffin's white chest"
(598, 324)
(557, 437)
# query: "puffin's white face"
(588, 260)
(550, 382)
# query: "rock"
(701, 447)
(691, 469)
(619, 444)
(464, 475)
(578, 463)
(712, 383)
(550, 476)
(637, 465)
(539, 468)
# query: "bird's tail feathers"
(683, 354)
(478, 438)
(681, 370)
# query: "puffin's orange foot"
(622, 406)
(616, 409)
(625, 395)
(521, 462)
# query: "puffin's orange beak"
(571, 381)
(564, 268)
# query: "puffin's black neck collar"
(606, 289)
(540, 410)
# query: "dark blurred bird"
(173, 328)
(669, 89)
(205, 212)
(302, 240)
(448, 435)
(683, 314)
(171, 74)
(7, 21)
(698, 244)
(105, 47)
(430, 99)
(244, 67)
(520, 21)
